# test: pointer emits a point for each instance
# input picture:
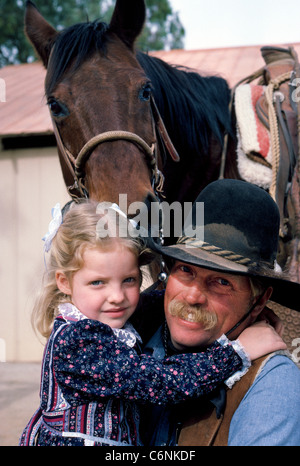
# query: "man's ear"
(63, 284)
(262, 303)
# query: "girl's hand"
(260, 339)
(270, 317)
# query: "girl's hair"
(78, 232)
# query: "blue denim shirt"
(268, 415)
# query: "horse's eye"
(145, 92)
(57, 109)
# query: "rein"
(76, 166)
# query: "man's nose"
(195, 295)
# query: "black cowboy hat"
(241, 227)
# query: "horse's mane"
(73, 46)
(193, 106)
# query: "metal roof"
(232, 63)
(25, 111)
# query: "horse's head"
(99, 99)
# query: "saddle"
(267, 127)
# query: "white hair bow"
(53, 226)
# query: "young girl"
(92, 370)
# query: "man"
(221, 286)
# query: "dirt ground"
(19, 398)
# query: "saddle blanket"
(253, 137)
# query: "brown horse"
(104, 99)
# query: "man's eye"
(182, 270)
(223, 281)
(185, 269)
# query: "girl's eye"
(130, 280)
(97, 282)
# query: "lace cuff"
(239, 349)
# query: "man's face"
(201, 293)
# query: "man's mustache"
(194, 313)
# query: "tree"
(163, 29)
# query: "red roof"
(232, 63)
(25, 110)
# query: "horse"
(126, 122)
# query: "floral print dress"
(93, 378)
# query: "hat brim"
(285, 292)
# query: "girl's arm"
(90, 363)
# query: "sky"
(226, 23)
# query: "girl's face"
(107, 287)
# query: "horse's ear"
(40, 33)
(128, 20)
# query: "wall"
(30, 185)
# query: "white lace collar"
(70, 312)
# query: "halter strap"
(163, 131)
(111, 136)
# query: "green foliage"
(163, 29)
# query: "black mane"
(192, 105)
(73, 46)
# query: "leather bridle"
(76, 165)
